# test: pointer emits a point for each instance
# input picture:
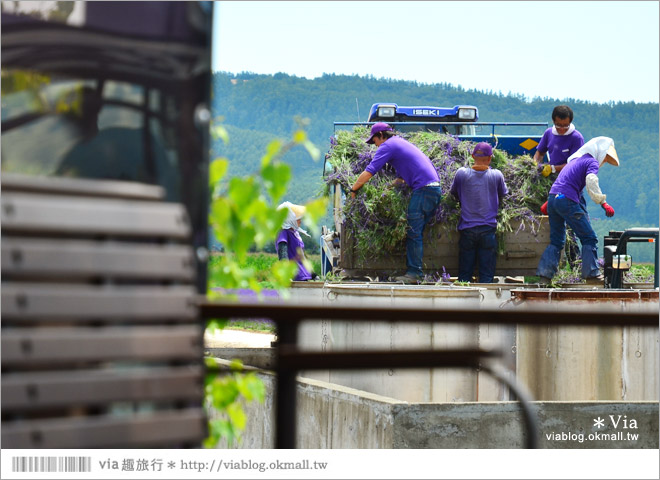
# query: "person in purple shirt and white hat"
(564, 208)
(415, 169)
(480, 190)
(289, 243)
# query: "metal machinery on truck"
(615, 256)
(516, 138)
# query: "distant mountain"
(257, 108)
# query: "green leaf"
(214, 436)
(252, 388)
(218, 131)
(223, 429)
(243, 215)
(312, 149)
(217, 170)
(253, 284)
(316, 209)
(222, 392)
(236, 365)
(268, 223)
(220, 220)
(243, 191)
(242, 242)
(214, 325)
(236, 416)
(272, 151)
(283, 271)
(299, 136)
(276, 176)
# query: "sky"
(597, 51)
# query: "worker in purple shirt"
(289, 243)
(560, 141)
(415, 169)
(480, 190)
(564, 208)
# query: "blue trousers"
(561, 212)
(421, 209)
(477, 244)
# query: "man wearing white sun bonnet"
(563, 207)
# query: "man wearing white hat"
(289, 243)
(563, 207)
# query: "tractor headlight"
(467, 113)
(386, 112)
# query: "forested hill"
(257, 108)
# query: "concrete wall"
(337, 417)
(555, 363)
(590, 363)
(331, 416)
(579, 374)
(420, 385)
(499, 425)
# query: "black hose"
(525, 400)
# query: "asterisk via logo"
(599, 422)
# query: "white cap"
(601, 148)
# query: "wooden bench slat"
(36, 390)
(50, 214)
(81, 186)
(49, 302)
(29, 346)
(99, 309)
(53, 258)
(156, 430)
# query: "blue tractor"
(515, 138)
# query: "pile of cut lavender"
(376, 218)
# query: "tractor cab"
(456, 120)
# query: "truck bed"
(521, 257)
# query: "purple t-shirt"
(293, 243)
(573, 177)
(409, 161)
(560, 147)
(479, 193)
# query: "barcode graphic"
(51, 464)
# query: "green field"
(261, 263)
